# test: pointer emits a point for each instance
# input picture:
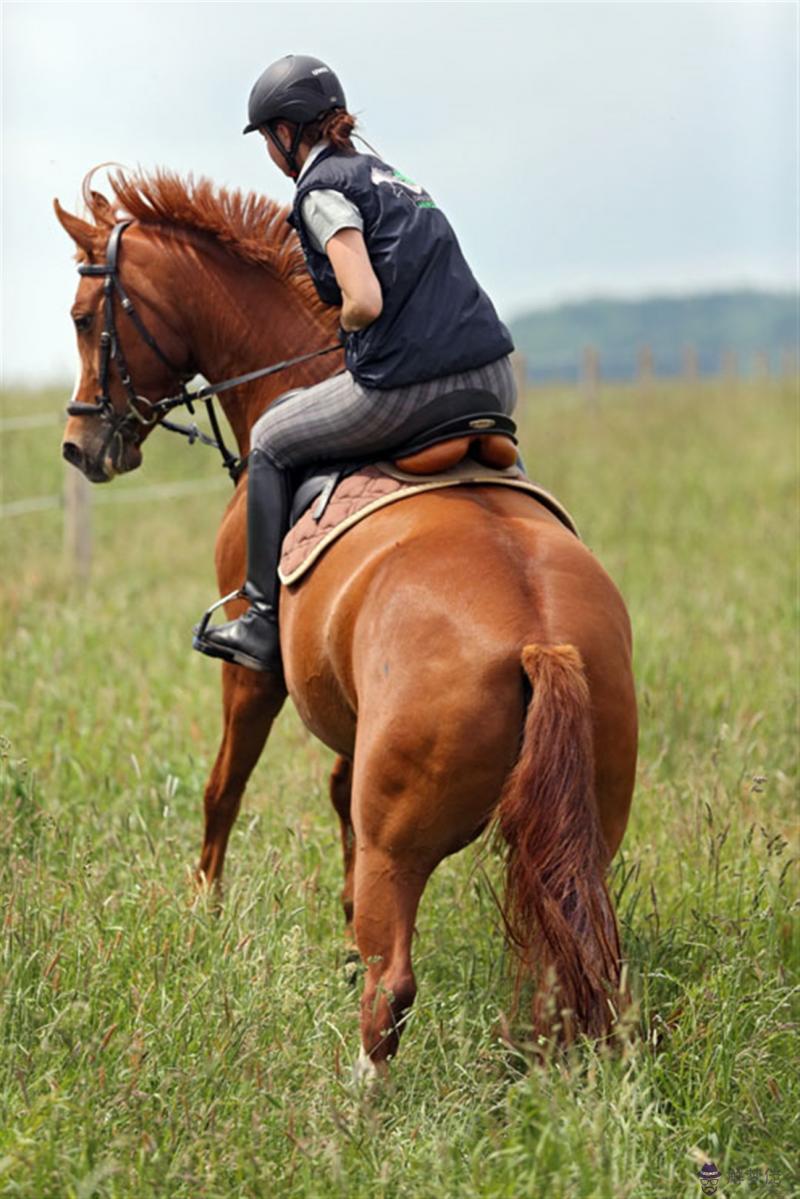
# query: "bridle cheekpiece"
(139, 410)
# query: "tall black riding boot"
(253, 639)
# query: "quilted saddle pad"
(375, 486)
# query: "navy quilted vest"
(436, 319)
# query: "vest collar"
(317, 154)
(313, 155)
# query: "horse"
(465, 655)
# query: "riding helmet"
(297, 88)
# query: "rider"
(415, 324)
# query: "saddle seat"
(492, 449)
(470, 425)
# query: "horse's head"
(131, 353)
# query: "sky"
(578, 149)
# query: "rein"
(139, 411)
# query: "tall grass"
(151, 1047)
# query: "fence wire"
(129, 495)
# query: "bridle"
(141, 413)
(138, 410)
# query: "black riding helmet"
(298, 89)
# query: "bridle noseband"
(140, 412)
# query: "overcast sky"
(576, 148)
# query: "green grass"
(153, 1048)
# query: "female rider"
(416, 325)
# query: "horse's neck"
(241, 317)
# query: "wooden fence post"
(730, 364)
(645, 361)
(590, 374)
(77, 523)
(761, 364)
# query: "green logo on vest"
(422, 200)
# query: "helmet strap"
(289, 155)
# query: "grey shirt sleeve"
(325, 212)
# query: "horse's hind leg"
(388, 887)
(341, 786)
(426, 779)
(250, 703)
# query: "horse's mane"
(251, 227)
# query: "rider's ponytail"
(336, 127)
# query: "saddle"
(471, 427)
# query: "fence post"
(730, 364)
(690, 364)
(645, 365)
(77, 523)
(590, 374)
(761, 364)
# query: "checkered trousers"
(338, 416)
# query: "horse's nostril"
(73, 453)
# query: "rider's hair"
(335, 126)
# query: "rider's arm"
(362, 299)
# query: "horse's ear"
(82, 233)
(102, 211)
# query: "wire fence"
(130, 495)
(79, 497)
(40, 420)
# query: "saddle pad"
(374, 487)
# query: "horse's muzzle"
(117, 461)
(95, 471)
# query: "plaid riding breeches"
(339, 417)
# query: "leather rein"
(140, 412)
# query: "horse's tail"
(558, 912)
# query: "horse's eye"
(83, 322)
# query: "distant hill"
(745, 322)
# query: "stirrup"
(203, 641)
(199, 629)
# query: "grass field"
(151, 1048)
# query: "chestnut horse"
(461, 651)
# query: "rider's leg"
(293, 431)
(253, 639)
